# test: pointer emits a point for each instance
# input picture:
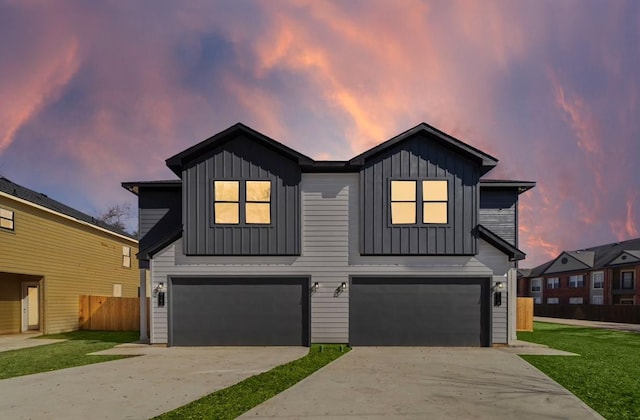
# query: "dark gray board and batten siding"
(242, 159)
(419, 158)
(498, 212)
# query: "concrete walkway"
(23, 341)
(591, 324)
(160, 380)
(426, 383)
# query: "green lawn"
(230, 402)
(606, 376)
(64, 354)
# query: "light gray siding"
(500, 264)
(498, 212)
(242, 159)
(419, 158)
(329, 256)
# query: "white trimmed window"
(626, 279)
(597, 280)
(553, 283)
(536, 285)
(575, 300)
(576, 281)
(6, 219)
(228, 199)
(597, 300)
(553, 300)
(117, 290)
(126, 256)
(537, 300)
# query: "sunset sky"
(96, 93)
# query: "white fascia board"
(64, 216)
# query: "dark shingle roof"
(43, 200)
(596, 257)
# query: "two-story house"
(258, 244)
(600, 275)
(50, 255)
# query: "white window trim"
(593, 273)
(536, 280)
(577, 276)
(576, 303)
(553, 300)
(557, 280)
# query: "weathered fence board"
(108, 313)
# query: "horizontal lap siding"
(498, 210)
(499, 263)
(329, 256)
(72, 259)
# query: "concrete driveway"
(139, 387)
(426, 383)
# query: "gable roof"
(177, 162)
(595, 257)
(16, 191)
(487, 161)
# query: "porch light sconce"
(340, 289)
(497, 294)
(315, 287)
(159, 293)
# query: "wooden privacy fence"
(107, 313)
(629, 314)
(524, 314)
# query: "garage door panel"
(412, 311)
(263, 311)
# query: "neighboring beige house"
(50, 254)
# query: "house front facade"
(257, 244)
(50, 254)
(601, 275)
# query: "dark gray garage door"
(419, 312)
(239, 312)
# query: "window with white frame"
(597, 300)
(536, 285)
(553, 300)
(576, 281)
(126, 256)
(626, 279)
(537, 300)
(553, 283)
(575, 300)
(597, 280)
(6, 219)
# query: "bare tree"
(116, 215)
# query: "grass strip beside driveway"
(231, 402)
(606, 376)
(66, 354)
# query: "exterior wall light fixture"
(315, 287)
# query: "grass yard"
(606, 375)
(64, 354)
(231, 402)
